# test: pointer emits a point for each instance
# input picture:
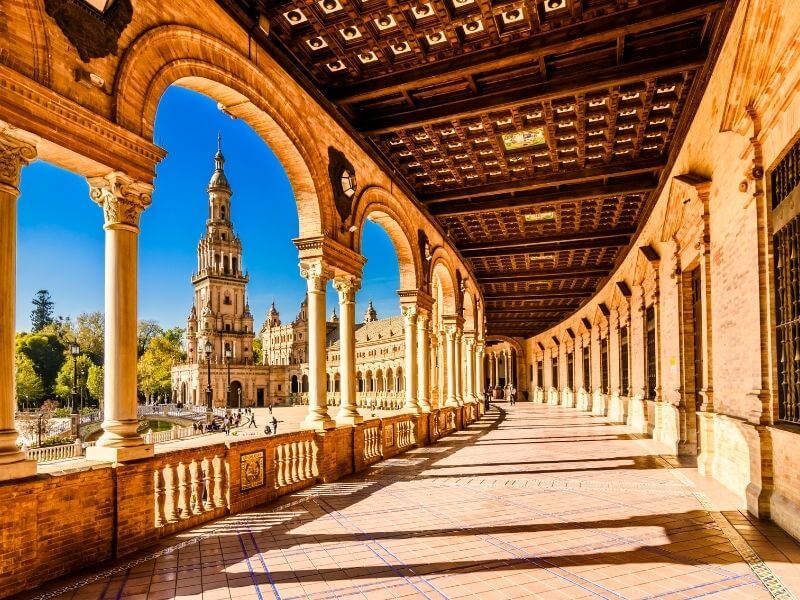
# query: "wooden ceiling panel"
(537, 132)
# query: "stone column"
(450, 334)
(495, 369)
(442, 367)
(347, 287)
(15, 153)
(469, 377)
(316, 275)
(459, 363)
(423, 362)
(122, 200)
(479, 377)
(410, 318)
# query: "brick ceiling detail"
(537, 132)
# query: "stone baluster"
(219, 482)
(184, 496)
(158, 498)
(208, 481)
(171, 491)
(196, 474)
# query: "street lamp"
(209, 399)
(75, 350)
(228, 363)
(240, 399)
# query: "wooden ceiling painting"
(536, 132)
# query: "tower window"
(227, 299)
(222, 213)
(227, 326)
(224, 236)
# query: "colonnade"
(123, 200)
(498, 373)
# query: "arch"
(294, 387)
(337, 382)
(379, 381)
(375, 204)
(390, 381)
(304, 383)
(445, 281)
(401, 380)
(470, 312)
(236, 390)
(194, 59)
(370, 381)
(513, 342)
(360, 381)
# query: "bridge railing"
(61, 452)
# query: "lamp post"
(75, 351)
(228, 364)
(83, 386)
(239, 406)
(209, 394)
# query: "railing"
(294, 462)
(404, 432)
(61, 452)
(176, 433)
(192, 486)
(381, 400)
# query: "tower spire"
(219, 181)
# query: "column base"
(425, 408)
(349, 419)
(117, 455)
(17, 470)
(318, 425)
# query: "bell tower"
(221, 314)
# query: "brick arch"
(180, 55)
(470, 312)
(381, 207)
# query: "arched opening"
(390, 381)
(305, 383)
(237, 395)
(294, 385)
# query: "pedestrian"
(513, 394)
(275, 424)
(226, 424)
(270, 408)
(253, 421)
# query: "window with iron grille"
(540, 373)
(785, 180)
(651, 375)
(604, 365)
(624, 366)
(571, 371)
(554, 374)
(587, 369)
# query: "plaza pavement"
(531, 501)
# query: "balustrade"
(294, 462)
(188, 487)
(404, 433)
(372, 443)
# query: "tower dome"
(371, 314)
(218, 180)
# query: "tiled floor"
(531, 502)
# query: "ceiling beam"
(587, 239)
(605, 28)
(446, 207)
(634, 169)
(566, 295)
(574, 83)
(544, 274)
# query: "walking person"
(226, 425)
(513, 394)
(270, 408)
(252, 421)
(275, 425)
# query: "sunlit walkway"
(531, 501)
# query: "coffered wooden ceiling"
(537, 132)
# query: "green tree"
(42, 313)
(155, 364)
(257, 351)
(90, 335)
(94, 383)
(63, 386)
(147, 330)
(47, 353)
(29, 385)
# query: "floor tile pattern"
(532, 501)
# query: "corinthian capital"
(316, 274)
(409, 312)
(15, 153)
(122, 198)
(347, 286)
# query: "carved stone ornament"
(316, 275)
(426, 252)
(409, 312)
(94, 34)
(14, 154)
(347, 288)
(343, 180)
(122, 198)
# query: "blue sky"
(60, 243)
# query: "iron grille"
(571, 371)
(554, 374)
(786, 175)
(650, 350)
(587, 369)
(787, 276)
(604, 364)
(624, 367)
